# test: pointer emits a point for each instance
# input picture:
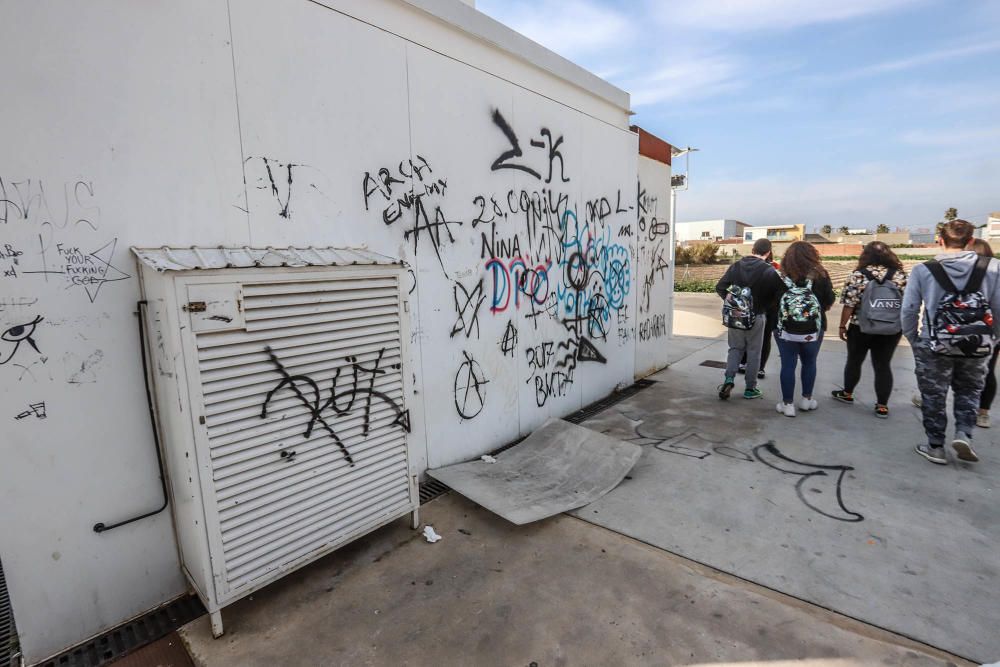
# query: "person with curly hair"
(880, 272)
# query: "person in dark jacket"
(797, 335)
(877, 263)
(765, 285)
(769, 326)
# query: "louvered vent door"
(305, 419)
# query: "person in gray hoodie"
(936, 372)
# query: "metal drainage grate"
(431, 489)
(713, 364)
(131, 636)
(612, 399)
(8, 634)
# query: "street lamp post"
(678, 182)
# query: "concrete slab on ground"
(556, 592)
(839, 511)
(558, 468)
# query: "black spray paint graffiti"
(91, 271)
(27, 201)
(508, 344)
(275, 178)
(336, 400)
(809, 473)
(470, 388)
(398, 200)
(769, 455)
(34, 409)
(467, 306)
(19, 333)
(503, 161)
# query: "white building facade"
(710, 230)
(504, 178)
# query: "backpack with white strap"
(800, 315)
(737, 305)
(881, 305)
(963, 321)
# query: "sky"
(842, 112)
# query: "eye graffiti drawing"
(19, 333)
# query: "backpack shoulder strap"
(941, 276)
(978, 273)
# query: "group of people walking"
(944, 308)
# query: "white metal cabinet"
(280, 392)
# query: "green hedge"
(694, 285)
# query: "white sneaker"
(787, 409)
(807, 404)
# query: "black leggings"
(990, 390)
(765, 349)
(882, 349)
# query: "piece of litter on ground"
(430, 535)
(486, 458)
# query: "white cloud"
(571, 28)
(749, 15)
(911, 62)
(687, 79)
(955, 138)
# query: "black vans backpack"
(963, 322)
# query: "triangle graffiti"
(586, 351)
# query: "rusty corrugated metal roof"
(166, 258)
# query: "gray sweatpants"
(935, 375)
(749, 341)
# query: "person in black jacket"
(765, 286)
(800, 327)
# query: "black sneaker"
(932, 454)
(844, 396)
(742, 369)
(761, 374)
(726, 388)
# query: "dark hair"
(981, 247)
(801, 261)
(878, 253)
(957, 233)
(761, 247)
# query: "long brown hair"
(801, 261)
(981, 247)
(877, 253)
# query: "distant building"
(777, 233)
(992, 229)
(709, 230)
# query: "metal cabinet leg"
(216, 618)
(415, 519)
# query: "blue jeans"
(790, 353)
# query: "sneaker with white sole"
(983, 420)
(932, 454)
(807, 404)
(787, 409)
(962, 444)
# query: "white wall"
(156, 123)
(654, 268)
(717, 229)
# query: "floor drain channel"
(431, 489)
(125, 639)
(713, 364)
(613, 399)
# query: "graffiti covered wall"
(510, 192)
(654, 267)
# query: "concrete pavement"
(557, 592)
